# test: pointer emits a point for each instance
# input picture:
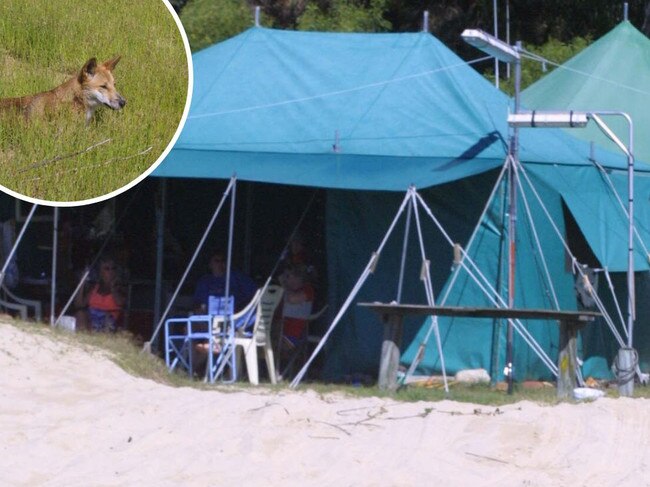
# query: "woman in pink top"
(100, 305)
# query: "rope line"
(536, 57)
(493, 294)
(538, 243)
(338, 92)
(599, 303)
(428, 286)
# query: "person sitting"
(297, 306)
(242, 287)
(100, 304)
(297, 254)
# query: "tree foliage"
(178, 4)
(555, 29)
(554, 50)
(210, 21)
(346, 16)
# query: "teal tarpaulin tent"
(379, 112)
(612, 74)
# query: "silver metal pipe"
(55, 251)
(16, 244)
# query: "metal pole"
(496, 34)
(55, 251)
(231, 226)
(627, 355)
(248, 226)
(508, 34)
(629, 152)
(257, 16)
(630, 272)
(425, 21)
(16, 244)
(407, 227)
(625, 11)
(160, 251)
(154, 335)
(512, 225)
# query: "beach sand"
(69, 416)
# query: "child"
(298, 300)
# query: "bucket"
(68, 323)
(625, 364)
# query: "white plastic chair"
(10, 301)
(266, 302)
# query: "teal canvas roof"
(356, 111)
(611, 74)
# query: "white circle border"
(172, 142)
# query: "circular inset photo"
(92, 95)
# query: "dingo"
(92, 87)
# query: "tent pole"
(489, 290)
(512, 225)
(248, 225)
(629, 152)
(508, 34)
(160, 252)
(16, 244)
(114, 226)
(370, 268)
(257, 16)
(231, 226)
(55, 250)
(496, 34)
(428, 288)
(407, 228)
(154, 335)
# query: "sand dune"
(71, 417)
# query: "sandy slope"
(69, 417)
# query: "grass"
(44, 43)
(127, 354)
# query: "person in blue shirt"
(242, 287)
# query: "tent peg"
(374, 259)
(424, 270)
(457, 253)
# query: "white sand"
(69, 417)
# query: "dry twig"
(66, 156)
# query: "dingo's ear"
(88, 71)
(111, 63)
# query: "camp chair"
(10, 301)
(302, 347)
(247, 339)
(180, 333)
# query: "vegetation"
(127, 354)
(42, 44)
(554, 29)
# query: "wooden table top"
(475, 312)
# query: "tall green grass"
(45, 42)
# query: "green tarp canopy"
(379, 112)
(612, 74)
